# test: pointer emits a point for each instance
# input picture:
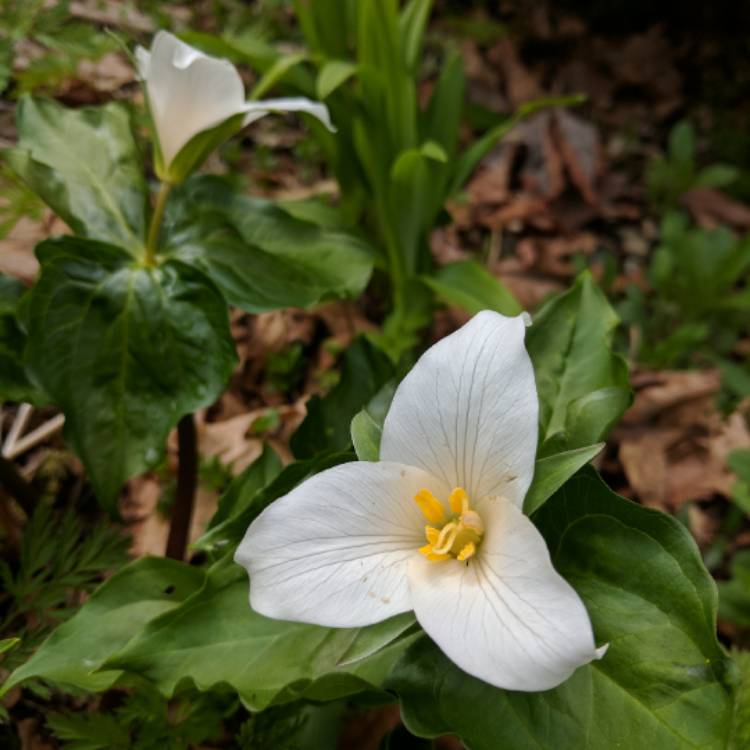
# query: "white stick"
(39, 435)
(17, 428)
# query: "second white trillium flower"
(190, 93)
(437, 525)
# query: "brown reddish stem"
(187, 482)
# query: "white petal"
(468, 410)
(334, 551)
(143, 60)
(188, 92)
(256, 110)
(506, 617)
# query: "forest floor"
(586, 186)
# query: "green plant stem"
(187, 482)
(156, 220)
(17, 486)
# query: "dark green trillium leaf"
(664, 682)
(85, 165)
(583, 386)
(116, 611)
(215, 638)
(15, 384)
(261, 256)
(327, 426)
(125, 351)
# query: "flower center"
(450, 535)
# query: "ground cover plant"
(374, 374)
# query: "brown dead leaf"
(521, 210)
(542, 172)
(554, 255)
(492, 182)
(107, 74)
(230, 442)
(711, 208)
(17, 247)
(520, 83)
(581, 151)
(659, 391)
(674, 444)
(30, 735)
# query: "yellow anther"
(433, 556)
(469, 550)
(432, 508)
(459, 500)
(446, 538)
(454, 534)
(431, 534)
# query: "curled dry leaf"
(711, 208)
(674, 443)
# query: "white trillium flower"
(190, 93)
(437, 525)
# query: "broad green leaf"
(741, 720)
(332, 75)
(367, 425)
(551, 472)
(583, 387)
(472, 287)
(734, 593)
(215, 638)
(663, 683)
(85, 165)
(125, 351)
(260, 256)
(15, 384)
(249, 501)
(327, 426)
(116, 611)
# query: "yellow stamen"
(451, 535)
(459, 500)
(432, 556)
(430, 506)
(431, 534)
(446, 538)
(468, 551)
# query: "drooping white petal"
(507, 617)
(468, 410)
(256, 110)
(188, 91)
(334, 551)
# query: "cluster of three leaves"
(124, 348)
